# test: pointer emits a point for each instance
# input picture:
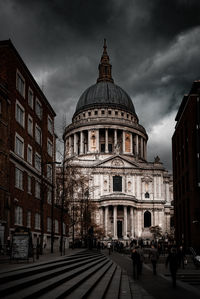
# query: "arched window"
(147, 219)
(147, 195)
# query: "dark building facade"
(27, 152)
(186, 169)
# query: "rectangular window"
(50, 148)
(49, 196)
(18, 178)
(30, 125)
(49, 172)
(38, 109)
(29, 219)
(110, 148)
(29, 186)
(19, 113)
(30, 97)
(48, 224)
(56, 226)
(38, 135)
(37, 221)
(102, 148)
(117, 183)
(38, 162)
(18, 216)
(37, 189)
(50, 125)
(19, 145)
(29, 154)
(20, 83)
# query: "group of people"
(175, 259)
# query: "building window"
(116, 112)
(19, 113)
(50, 148)
(64, 228)
(102, 112)
(18, 216)
(49, 172)
(29, 186)
(38, 162)
(19, 145)
(122, 114)
(38, 135)
(49, 196)
(38, 109)
(30, 98)
(30, 125)
(109, 112)
(48, 224)
(29, 154)
(127, 116)
(147, 195)
(89, 113)
(96, 112)
(29, 219)
(117, 183)
(18, 178)
(20, 83)
(37, 221)
(37, 189)
(56, 226)
(50, 125)
(147, 219)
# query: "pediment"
(117, 162)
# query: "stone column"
(167, 193)
(106, 221)
(131, 141)
(141, 146)
(115, 221)
(136, 145)
(132, 222)
(81, 143)
(70, 145)
(101, 216)
(97, 141)
(125, 222)
(75, 144)
(88, 147)
(106, 140)
(123, 142)
(115, 137)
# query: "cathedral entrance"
(119, 229)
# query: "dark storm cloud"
(153, 47)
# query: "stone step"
(27, 281)
(125, 291)
(81, 285)
(5, 277)
(114, 288)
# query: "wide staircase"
(85, 274)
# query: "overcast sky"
(153, 47)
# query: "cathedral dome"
(105, 93)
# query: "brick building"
(27, 152)
(186, 169)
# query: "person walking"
(109, 247)
(181, 257)
(135, 256)
(172, 260)
(153, 255)
(141, 253)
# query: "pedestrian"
(153, 255)
(135, 256)
(109, 247)
(181, 257)
(141, 253)
(172, 260)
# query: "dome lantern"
(105, 68)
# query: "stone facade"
(107, 142)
